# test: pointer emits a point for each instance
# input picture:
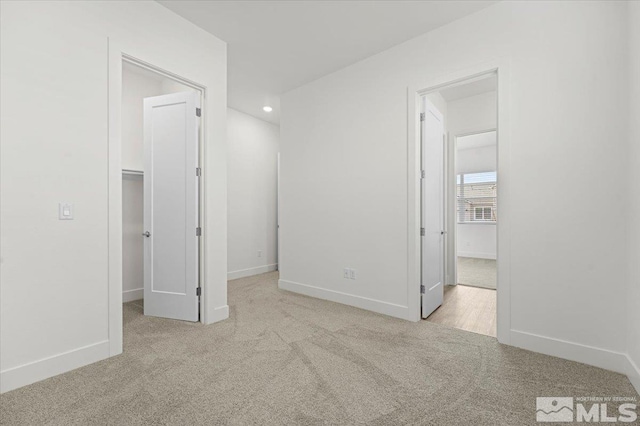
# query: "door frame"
(415, 91)
(452, 220)
(116, 57)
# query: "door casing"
(415, 91)
(118, 55)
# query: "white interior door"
(171, 249)
(432, 216)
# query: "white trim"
(131, 295)
(374, 305)
(241, 273)
(597, 357)
(32, 372)
(634, 374)
(117, 54)
(476, 255)
(114, 200)
(220, 313)
(415, 91)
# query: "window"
(483, 213)
(476, 193)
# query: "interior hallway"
(468, 308)
(283, 358)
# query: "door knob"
(146, 234)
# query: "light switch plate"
(352, 274)
(65, 211)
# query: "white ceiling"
(477, 87)
(478, 140)
(276, 46)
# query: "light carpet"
(283, 358)
(477, 272)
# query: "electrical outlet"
(352, 274)
(259, 253)
(345, 273)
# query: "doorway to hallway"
(459, 205)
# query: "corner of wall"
(633, 211)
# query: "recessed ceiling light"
(267, 108)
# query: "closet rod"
(132, 172)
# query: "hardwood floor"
(467, 308)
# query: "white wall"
(472, 114)
(252, 164)
(344, 171)
(136, 85)
(633, 295)
(440, 103)
(54, 112)
(132, 239)
(477, 240)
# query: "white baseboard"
(378, 306)
(634, 375)
(234, 275)
(598, 357)
(220, 313)
(32, 372)
(131, 295)
(477, 255)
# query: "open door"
(171, 220)
(432, 207)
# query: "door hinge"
(198, 231)
(422, 174)
(422, 116)
(198, 291)
(422, 232)
(422, 289)
(198, 112)
(198, 171)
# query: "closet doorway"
(160, 134)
